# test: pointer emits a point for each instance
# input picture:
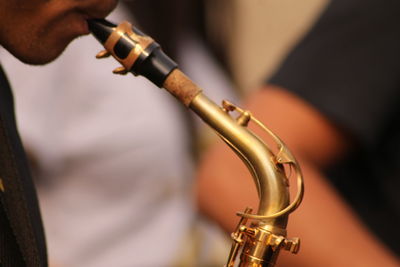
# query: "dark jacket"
(22, 240)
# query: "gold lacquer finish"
(2, 189)
(140, 43)
(261, 242)
(258, 237)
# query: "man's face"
(37, 31)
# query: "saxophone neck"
(269, 179)
(260, 242)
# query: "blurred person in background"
(113, 156)
(35, 32)
(335, 102)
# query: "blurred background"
(114, 156)
(244, 32)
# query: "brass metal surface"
(258, 237)
(139, 45)
(261, 242)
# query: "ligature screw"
(103, 54)
(120, 70)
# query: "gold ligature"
(259, 242)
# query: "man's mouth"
(97, 9)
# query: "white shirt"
(114, 154)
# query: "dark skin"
(37, 31)
(331, 234)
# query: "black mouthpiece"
(151, 62)
(101, 29)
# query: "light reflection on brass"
(2, 189)
(140, 43)
(260, 242)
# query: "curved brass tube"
(269, 179)
(261, 241)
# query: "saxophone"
(260, 241)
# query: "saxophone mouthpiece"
(137, 52)
(101, 29)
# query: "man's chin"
(39, 57)
(40, 51)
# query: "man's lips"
(97, 9)
(84, 24)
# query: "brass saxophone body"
(260, 242)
